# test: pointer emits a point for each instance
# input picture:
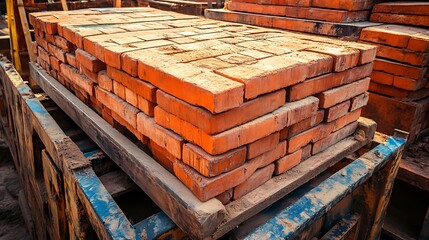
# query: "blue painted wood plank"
(106, 209)
(288, 223)
(154, 226)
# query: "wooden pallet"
(77, 172)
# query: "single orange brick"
(382, 78)
(89, 61)
(117, 105)
(57, 52)
(43, 54)
(337, 111)
(145, 106)
(140, 87)
(131, 97)
(55, 63)
(334, 138)
(263, 145)
(359, 101)
(104, 81)
(409, 84)
(74, 76)
(64, 44)
(119, 89)
(340, 94)
(162, 156)
(91, 75)
(161, 136)
(254, 181)
(206, 188)
(71, 60)
(392, 35)
(216, 123)
(212, 165)
(287, 162)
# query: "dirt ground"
(12, 224)
(419, 151)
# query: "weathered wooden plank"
(296, 217)
(198, 219)
(343, 229)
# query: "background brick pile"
(399, 83)
(223, 106)
(410, 13)
(339, 18)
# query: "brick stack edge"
(399, 83)
(222, 106)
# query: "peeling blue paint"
(155, 225)
(106, 209)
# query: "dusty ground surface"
(12, 224)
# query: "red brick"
(212, 165)
(337, 111)
(91, 75)
(131, 97)
(89, 61)
(140, 87)
(350, 5)
(57, 52)
(43, 54)
(287, 162)
(162, 156)
(391, 35)
(398, 93)
(50, 38)
(118, 106)
(334, 138)
(216, 123)
(145, 106)
(42, 42)
(55, 63)
(344, 58)
(254, 181)
(409, 84)
(340, 94)
(173, 77)
(359, 101)
(107, 115)
(206, 188)
(74, 76)
(161, 136)
(305, 124)
(319, 84)
(71, 60)
(417, 8)
(382, 78)
(63, 44)
(263, 145)
(104, 81)
(119, 89)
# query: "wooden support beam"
(26, 29)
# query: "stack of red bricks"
(340, 18)
(399, 83)
(222, 106)
(406, 12)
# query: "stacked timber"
(406, 12)
(341, 18)
(223, 106)
(399, 83)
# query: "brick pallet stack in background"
(341, 18)
(399, 84)
(223, 106)
(406, 12)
